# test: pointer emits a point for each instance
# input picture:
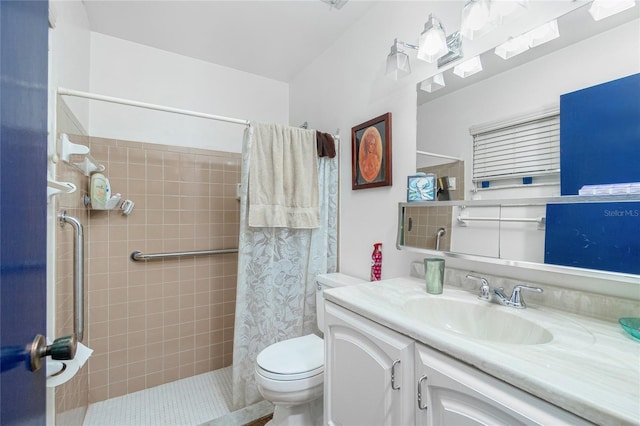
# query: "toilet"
(290, 373)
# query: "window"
(519, 151)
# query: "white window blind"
(519, 148)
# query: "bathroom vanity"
(414, 358)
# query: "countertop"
(590, 368)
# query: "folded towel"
(283, 177)
(326, 145)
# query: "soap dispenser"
(100, 191)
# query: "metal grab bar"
(139, 256)
(78, 274)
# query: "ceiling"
(274, 39)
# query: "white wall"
(346, 86)
(128, 70)
(70, 53)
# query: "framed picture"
(421, 187)
(371, 153)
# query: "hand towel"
(326, 145)
(283, 177)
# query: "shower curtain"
(276, 277)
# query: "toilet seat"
(292, 359)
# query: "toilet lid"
(299, 357)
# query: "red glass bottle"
(376, 262)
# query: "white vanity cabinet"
(377, 376)
(369, 376)
(454, 393)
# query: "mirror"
(586, 54)
(548, 231)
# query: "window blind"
(526, 149)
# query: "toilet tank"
(326, 281)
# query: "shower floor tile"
(191, 401)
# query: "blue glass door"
(23, 165)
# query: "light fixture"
(601, 9)
(454, 44)
(516, 45)
(475, 19)
(500, 9)
(398, 64)
(468, 67)
(512, 47)
(432, 83)
(543, 34)
(433, 41)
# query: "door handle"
(63, 348)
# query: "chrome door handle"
(420, 406)
(393, 375)
(63, 348)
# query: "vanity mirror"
(508, 223)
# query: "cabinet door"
(454, 393)
(361, 358)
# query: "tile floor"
(201, 399)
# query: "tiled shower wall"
(158, 321)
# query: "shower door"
(23, 169)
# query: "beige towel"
(283, 177)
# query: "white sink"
(477, 320)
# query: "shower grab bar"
(139, 256)
(78, 274)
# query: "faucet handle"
(516, 299)
(485, 290)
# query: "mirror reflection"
(524, 87)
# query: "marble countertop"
(590, 368)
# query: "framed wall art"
(421, 187)
(371, 153)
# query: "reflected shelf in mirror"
(509, 231)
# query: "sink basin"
(479, 320)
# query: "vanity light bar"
(432, 84)
(469, 67)
(601, 9)
(536, 37)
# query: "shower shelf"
(68, 149)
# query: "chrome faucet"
(516, 300)
(485, 290)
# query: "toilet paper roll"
(69, 369)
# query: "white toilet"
(290, 373)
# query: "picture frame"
(371, 153)
(421, 187)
